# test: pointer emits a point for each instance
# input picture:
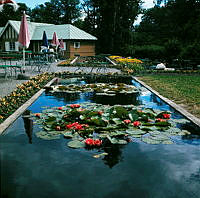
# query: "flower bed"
(87, 61)
(65, 62)
(91, 125)
(21, 94)
(120, 59)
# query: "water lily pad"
(47, 136)
(117, 133)
(117, 141)
(136, 135)
(76, 144)
(100, 155)
(160, 137)
(167, 142)
(148, 140)
(68, 134)
(135, 132)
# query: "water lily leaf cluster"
(99, 88)
(94, 125)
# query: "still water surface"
(35, 168)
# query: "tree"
(112, 22)
(8, 13)
(57, 12)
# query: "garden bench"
(11, 67)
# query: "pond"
(32, 167)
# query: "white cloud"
(148, 4)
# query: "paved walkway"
(7, 85)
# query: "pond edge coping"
(73, 61)
(110, 61)
(21, 109)
(178, 108)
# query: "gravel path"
(7, 85)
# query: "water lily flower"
(127, 121)
(97, 142)
(75, 105)
(89, 141)
(160, 120)
(136, 123)
(166, 116)
(68, 126)
(37, 115)
(79, 127)
(60, 108)
(100, 112)
(58, 128)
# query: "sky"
(34, 3)
(31, 3)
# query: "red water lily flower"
(100, 112)
(37, 115)
(89, 142)
(160, 120)
(166, 116)
(68, 126)
(75, 105)
(58, 128)
(97, 142)
(79, 127)
(127, 121)
(60, 108)
(136, 123)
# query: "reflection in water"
(28, 124)
(66, 97)
(122, 99)
(114, 155)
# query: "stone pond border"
(181, 110)
(20, 110)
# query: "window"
(76, 44)
(12, 46)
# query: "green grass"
(182, 89)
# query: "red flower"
(160, 120)
(166, 116)
(100, 112)
(75, 105)
(97, 142)
(58, 128)
(37, 115)
(60, 108)
(136, 123)
(68, 126)
(78, 127)
(89, 142)
(127, 121)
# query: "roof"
(65, 31)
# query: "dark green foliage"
(57, 12)
(8, 13)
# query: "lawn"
(182, 89)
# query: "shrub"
(147, 51)
(191, 51)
